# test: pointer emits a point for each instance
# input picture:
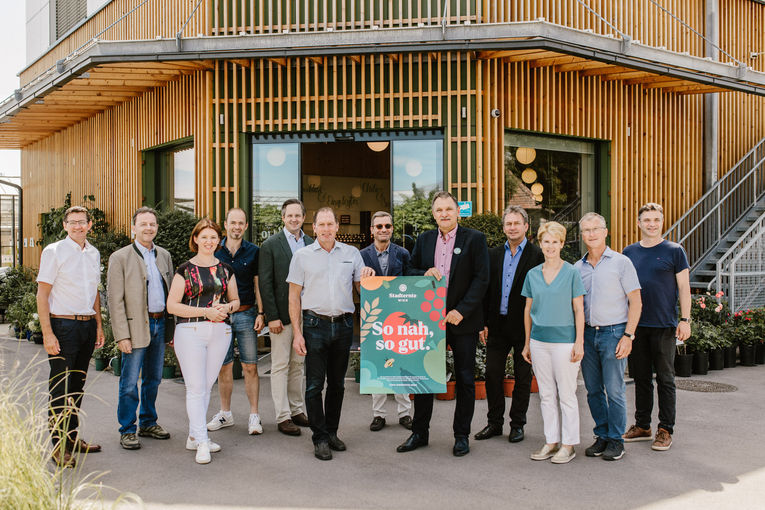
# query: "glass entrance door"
(276, 177)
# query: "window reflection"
(417, 175)
(183, 180)
(275, 179)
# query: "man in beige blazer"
(138, 280)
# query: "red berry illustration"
(425, 307)
(429, 295)
(441, 291)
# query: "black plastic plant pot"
(683, 365)
(746, 353)
(700, 363)
(759, 353)
(729, 356)
(716, 359)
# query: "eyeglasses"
(80, 223)
(386, 226)
(588, 231)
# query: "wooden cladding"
(259, 17)
(101, 156)
(373, 92)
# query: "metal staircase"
(725, 224)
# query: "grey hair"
(516, 209)
(593, 216)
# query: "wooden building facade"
(614, 135)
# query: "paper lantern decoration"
(538, 198)
(525, 155)
(529, 176)
(378, 146)
(537, 188)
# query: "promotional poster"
(403, 335)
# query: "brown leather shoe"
(65, 460)
(288, 428)
(636, 433)
(301, 420)
(82, 447)
(663, 440)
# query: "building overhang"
(106, 73)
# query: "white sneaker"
(203, 453)
(193, 444)
(221, 420)
(254, 427)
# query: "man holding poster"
(459, 256)
(387, 259)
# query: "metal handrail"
(717, 201)
(731, 272)
(722, 263)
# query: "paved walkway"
(717, 459)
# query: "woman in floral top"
(202, 296)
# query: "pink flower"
(718, 308)
(720, 294)
(702, 306)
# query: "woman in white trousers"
(554, 318)
(202, 296)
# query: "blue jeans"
(604, 379)
(327, 346)
(243, 330)
(147, 361)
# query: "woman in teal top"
(554, 318)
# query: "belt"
(83, 318)
(328, 318)
(610, 326)
(244, 308)
(156, 315)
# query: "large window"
(276, 177)
(553, 179)
(169, 176)
(418, 171)
(180, 168)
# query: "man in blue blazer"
(387, 259)
(459, 255)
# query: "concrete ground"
(716, 461)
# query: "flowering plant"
(710, 309)
(745, 327)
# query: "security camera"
(495, 113)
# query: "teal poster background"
(403, 335)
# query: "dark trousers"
(68, 370)
(327, 346)
(501, 340)
(463, 347)
(654, 347)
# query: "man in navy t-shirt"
(663, 271)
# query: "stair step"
(705, 272)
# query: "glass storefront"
(355, 177)
(553, 179)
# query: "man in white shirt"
(69, 308)
(322, 277)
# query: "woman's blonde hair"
(553, 228)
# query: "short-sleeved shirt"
(326, 277)
(204, 286)
(245, 265)
(552, 314)
(657, 268)
(74, 273)
(607, 285)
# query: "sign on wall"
(403, 334)
(466, 209)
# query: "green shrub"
(17, 281)
(488, 223)
(175, 227)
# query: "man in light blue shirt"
(612, 308)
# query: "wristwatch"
(685, 319)
(631, 336)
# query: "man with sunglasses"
(387, 259)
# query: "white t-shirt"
(74, 273)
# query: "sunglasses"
(386, 226)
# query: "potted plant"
(717, 354)
(450, 382)
(103, 355)
(745, 336)
(170, 363)
(703, 339)
(758, 327)
(479, 372)
(34, 326)
(509, 382)
(354, 363)
(683, 361)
